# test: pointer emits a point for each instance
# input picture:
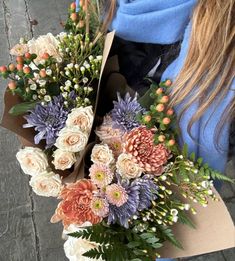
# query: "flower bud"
(3, 69)
(161, 138)
(12, 85)
(19, 67)
(164, 99)
(168, 83)
(170, 112)
(27, 55)
(159, 91)
(171, 142)
(166, 120)
(147, 118)
(11, 67)
(26, 70)
(73, 17)
(19, 59)
(45, 56)
(42, 73)
(73, 6)
(160, 107)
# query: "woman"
(192, 43)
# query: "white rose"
(75, 247)
(44, 44)
(71, 139)
(127, 168)
(102, 154)
(32, 160)
(63, 159)
(46, 184)
(82, 118)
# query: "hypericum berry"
(45, 56)
(168, 83)
(19, 59)
(161, 138)
(166, 120)
(147, 118)
(171, 142)
(160, 107)
(73, 6)
(19, 67)
(26, 70)
(11, 67)
(159, 91)
(3, 69)
(12, 85)
(170, 112)
(27, 55)
(164, 99)
(43, 73)
(73, 17)
(81, 24)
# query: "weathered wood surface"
(25, 231)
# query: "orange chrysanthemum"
(75, 207)
(140, 144)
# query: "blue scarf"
(165, 22)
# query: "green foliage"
(184, 219)
(168, 235)
(22, 108)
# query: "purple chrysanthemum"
(123, 213)
(147, 191)
(125, 111)
(47, 120)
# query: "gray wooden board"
(25, 230)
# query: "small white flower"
(210, 192)
(70, 66)
(174, 212)
(43, 91)
(205, 184)
(33, 87)
(47, 98)
(86, 100)
(91, 58)
(87, 66)
(65, 95)
(68, 83)
(76, 86)
(67, 73)
(82, 69)
(85, 80)
(186, 206)
(76, 66)
(35, 97)
(175, 219)
(46, 184)
(42, 82)
(99, 57)
(49, 72)
(67, 50)
(32, 160)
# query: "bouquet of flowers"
(55, 81)
(137, 182)
(136, 185)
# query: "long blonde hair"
(210, 59)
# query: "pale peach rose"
(101, 153)
(46, 184)
(75, 247)
(71, 139)
(19, 50)
(127, 168)
(32, 160)
(63, 159)
(45, 44)
(82, 118)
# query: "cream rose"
(75, 247)
(63, 159)
(127, 168)
(46, 184)
(44, 44)
(102, 154)
(82, 118)
(32, 160)
(71, 139)
(19, 50)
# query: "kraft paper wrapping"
(214, 226)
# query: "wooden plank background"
(25, 231)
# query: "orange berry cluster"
(160, 115)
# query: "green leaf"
(185, 150)
(22, 108)
(146, 235)
(219, 176)
(192, 156)
(133, 244)
(184, 219)
(146, 101)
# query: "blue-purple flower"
(125, 111)
(123, 213)
(47, 120)
(147, 191)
